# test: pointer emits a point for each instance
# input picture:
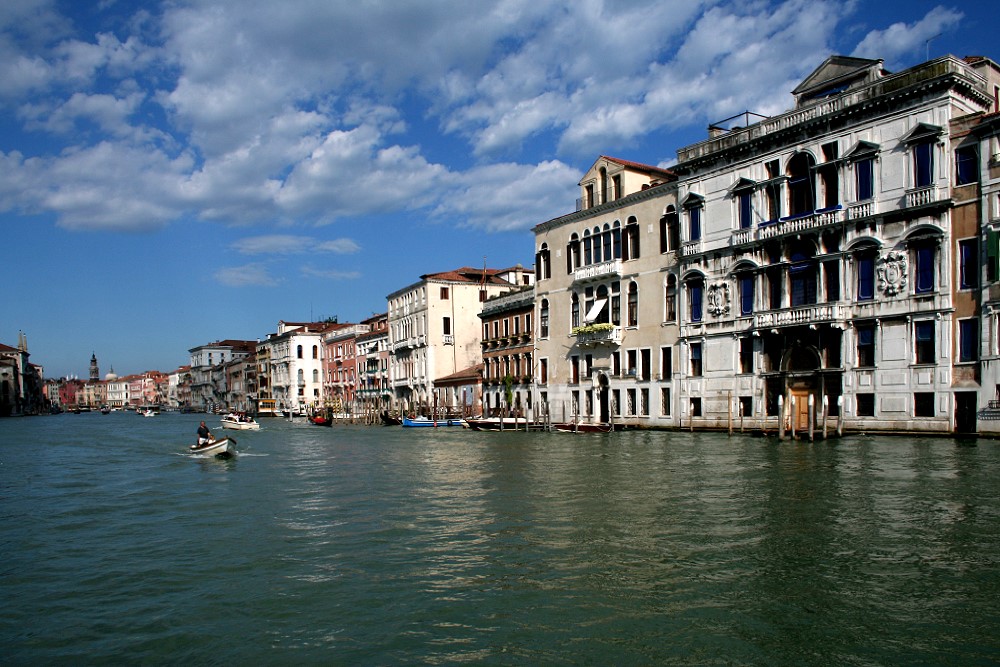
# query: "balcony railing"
(921, 196)
(803, 223)
(802, 315)
(612, 336)
(860, 210)
(612, 268)
(691, 248)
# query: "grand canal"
(390, 546)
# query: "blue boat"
(424, 421)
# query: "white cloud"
(905, 39)
(288, 244)
(248, 275)
(329, 274)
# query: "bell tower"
(95, 374)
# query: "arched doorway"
(801, 365)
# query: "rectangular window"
(644, 402)
(444, 293)
(746, 209)
(665, 402)
(574, 369)
(588, 365)
(666, 363)
(696, 407)
(866, 277)
(923, 164)
(630, 402)
(746, 354)
(865, 405)
(694, 292)
(746, 288)
(644, 364)
(746, 406)
(923, 404)
(632, 357)
(694, 224)
(968, 264)
(695, 359)
(616, 402)
(966, 165)
(543, 371)
(864, 171)
(446, 326)
(924, 279)
(866, 345)
(923, 334)
(616, 363)
(968, 339)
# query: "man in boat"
(204, 435)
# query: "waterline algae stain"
(372, 545)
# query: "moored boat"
(239, 421)
(584, 427)
(424, 421)
(221, 447)
(502, 424)
(389, 420)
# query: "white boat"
(240, 422)
(222, 447)
(149, 413)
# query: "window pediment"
(861, 150)
(922, 132)
(740, 186)
(693, 200)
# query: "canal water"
(376, 545)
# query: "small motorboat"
(424, 421)
(239, 421)
(149, 412)
(585, 427)
(320, 420)
(221, 447)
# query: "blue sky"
(182, 172)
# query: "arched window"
(864, 262)
(315, 375)
(633, 304)
(670, 307)
(603, 315)
(299, 352)
(696, 291)
(573, 254)
(315, 352)
(669, 231)
(631, 250)
(543, 261)
(801, 185)
(588, 245)
(616, 240)
(746, 287)
(606, 243)
(543, 319)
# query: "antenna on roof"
(927, 46)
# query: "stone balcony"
(802, 315)
(612, 336)
(600, 271)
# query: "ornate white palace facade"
(825, 263)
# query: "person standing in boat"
(203, 434)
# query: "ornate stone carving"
(718, 299)
(892, 273)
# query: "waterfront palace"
(839, 261)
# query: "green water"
(391, 546)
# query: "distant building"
(434, 329)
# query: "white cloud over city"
(305, 113)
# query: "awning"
(595, 311)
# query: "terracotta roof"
(641, 167)
(468, 274)
(7, 348)
(471, 374)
